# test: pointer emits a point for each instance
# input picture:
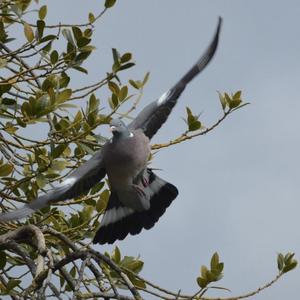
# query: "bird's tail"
(119, 220)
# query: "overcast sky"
(238, 186)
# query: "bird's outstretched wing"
(151, 118)
(76, 184)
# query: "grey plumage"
(125, 159)
(78, 182)
(138, 196)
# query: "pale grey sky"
(239, 185)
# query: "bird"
(138, 197)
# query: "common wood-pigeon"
(138, 196)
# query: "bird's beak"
(112, 128)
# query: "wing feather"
(152, 117)
(77, 183)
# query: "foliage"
(37, 93)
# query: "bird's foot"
(145, 181)
(139, 190)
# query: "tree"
(48, 254)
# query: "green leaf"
(237, 95)
(214, 262)
(234, 103)
(86, 148)
(62, 280)
(116, 55)
(64, 96)
(43, 12)
(91, 18)
(48, 83)
(100, 205)
(114, 87)
(3, 34)
(290, 266)
(145, 80)
(73, 272)
(192, 121)
(123, 93)
(71, 52)
(97, 188)
(135, 265)
(88, 32)
(134, 84)
(138, 283)
(46, 48)
(280, 261)
(20, 122)
(54, 57)
(3, 63)
(109, 3)
(114, 100)
(41, 105)
(10, 128)
(105, 196)
(88, 48)
(78, 117)
(67, 105)
(80, 69)
(4, 88)
(2, 259)
(77, 33)
(47, 38)
(220, 267)
(227, 98)
(82, 56)
(93, 104)
(6, 169)
(57, 151)
(40, 28)
(222, 100)
(116, 67)
(12, 283)
(201, 282)
(288, 257)
(116, 255)
(28, 32)
(41, 180)
(64, 80)
(126, 57)
(204, 271)
(126, 66)
(58, 165)
(8, 101)
(194, 125)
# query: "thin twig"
(67, 25)
(186, 136)
(80, 277)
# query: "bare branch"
(31, 235)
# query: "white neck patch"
(131, 134)
(163, 98)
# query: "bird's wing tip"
(220, 22)
(16, 214)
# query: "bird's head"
(119, 129)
